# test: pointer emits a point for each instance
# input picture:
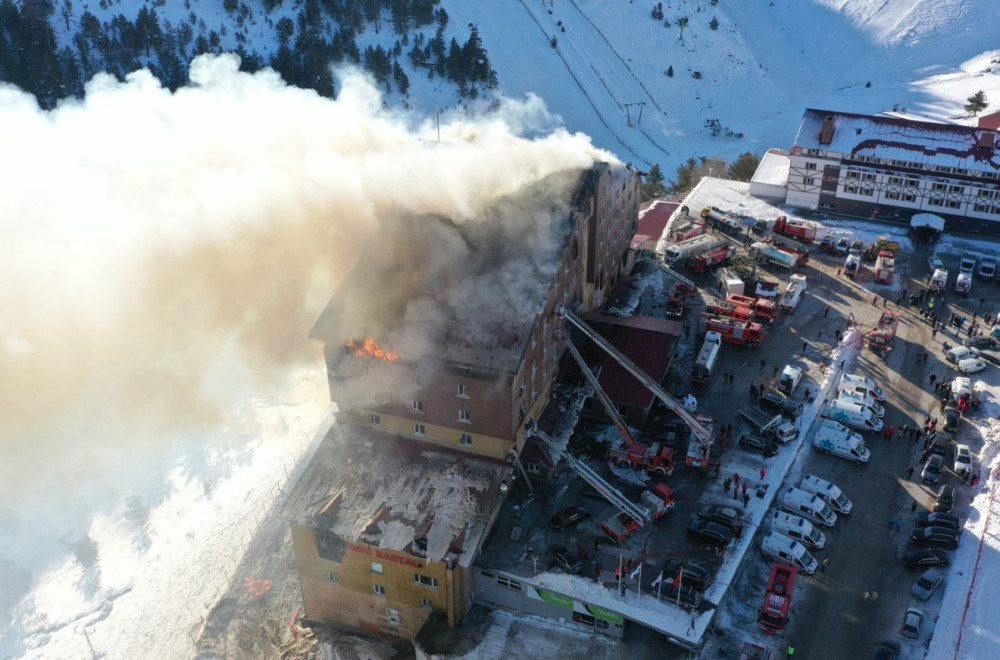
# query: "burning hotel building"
(440, 345)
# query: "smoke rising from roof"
(167, 253)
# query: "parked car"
(706, 530)
(912, 621)
(826, 243)
(958, 353)
(952, 418)
(937, 519)
(971, 365)
(931, 473)
(945, 499)
(934, 536)
(568, 517)
(842, 246)
(963, 460)
(562, 560)
(683, 595)
(772, 400)
(925, 558)
(927, 583)
(935, 264)
(724, 515)
(987, 269)
(886, 649)
(979, 341)
(687, 572)
(755, 443)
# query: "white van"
(851, 413)
(809, 506)
(827, 491)
(958, 353)
(862, 384)
(798, 528)
(837, 440)
(850, 394)
(785, 550)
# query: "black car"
(925, 558)
(933, 536)
(592, 493)
(952, 418)
(945, 499)
(680, 594)
(886, 649)
(940, 446)
(777, 402)
(724, 515)
(568, 517)
(760, 445)
(937, 519)
(711, 532)
(689, 573)
(561, 559)
(979, 341)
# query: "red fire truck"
(773, 614)
(729, 309)
(654, 458)
(763, 309)
(798, 250)
(741, 333)
(884, 266)
(709, 258)
(802, 230)
(883, 333)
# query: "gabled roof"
(895, 138)
(648, 342)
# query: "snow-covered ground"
(119, 511)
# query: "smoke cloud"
(167, 253)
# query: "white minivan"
(809, 506)
(798, 528)
(958, 353)
(785, 550)
(851, 394)
(862, 384)
(827, 491)
(851, 413)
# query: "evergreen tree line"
(694, 170)
(322, 33)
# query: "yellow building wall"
(341, 593)
(482, 445)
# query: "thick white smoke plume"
(166, 253)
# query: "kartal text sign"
(382, 554)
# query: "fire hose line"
(975, 569)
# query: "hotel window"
(982, 208)
(933, 202)
(852, 175)
(892, 195)
(464, 416)
(504, 581)
(414, 381)
(417, 406)
(908, 198)
(465, 439)
(332, 577)
(809, 180)
(853, 190)
(377, 568)
(425, 581)
(374, 419)
(463, 391)
(867, 192)
(957, 189)
(418, 429)
(810, 166)
(938, 186)
(912, 183)
(895, 180)
(952, 204)
(426, 603)
(868, 177)
(378, 589)
(392, 615)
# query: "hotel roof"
(920, 143)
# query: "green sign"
(607, 615)
(556, 599)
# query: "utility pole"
(437, 116)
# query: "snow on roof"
(773, 169)
(905, 140)
(387, 491)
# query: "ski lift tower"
(628, 113)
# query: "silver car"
(911, 622)
(927, 583)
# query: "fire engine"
(763, 309)
(802, 230)
(729, 309)
(713, 257)
(884, 266)
(741, 333)
(801, 252)
(882, 334)
(654, 458)
(773, 613)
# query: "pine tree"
(976, 103)
(744, 167)
(714, 23)
(653, 186)
(685, 176)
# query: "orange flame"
(371, 348)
